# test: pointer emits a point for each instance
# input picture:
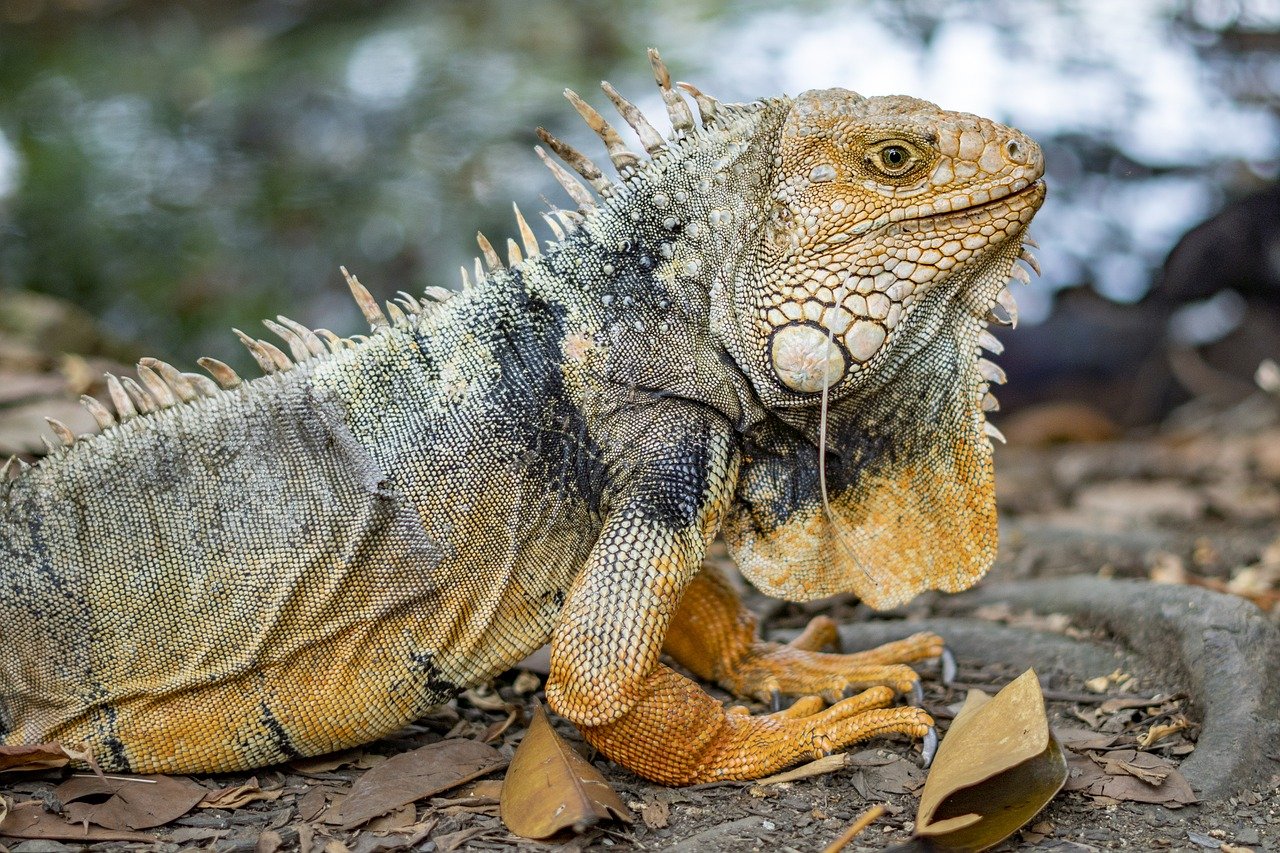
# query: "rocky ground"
(1139, 575)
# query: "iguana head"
(872, 204)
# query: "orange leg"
(715, 636)
(678, 735)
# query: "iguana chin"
(239, 573)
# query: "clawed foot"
(774, 672)
(810, 729)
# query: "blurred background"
(176, 169)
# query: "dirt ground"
(1189, 507)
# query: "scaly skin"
(309, 560)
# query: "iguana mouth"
(1001, 194)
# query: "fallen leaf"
(550, 787)
(311, 804)
(236, 796)
(402, 818)
(410, 776)
(42, 756)
(1133, 776)
(1082, 739)
(324, 763)
(998, 766)
(269, 841)
(656, 814)
(132, 802)
(30, 820)
(485, 698)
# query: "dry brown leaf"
(236, 796)
(1121, 776)
(998, 766)
(311, 804)
(324, 763)
(410, 776)
(131, 802)
(42, 756)
(549, 787)
(269, 841)
(30, 820)
(656, 814)
(400, 819)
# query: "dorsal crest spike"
(514, 258)
(479, 270)
(276, 354)
(491, 258)
(577, 161)
(65, 435)
(141, 399)
(398, 318)
(296, 344)
(708, 107)
(260, 355)
(437, 294)
(331, 340)
(203, 385)
(527, 237)
(410, 302)
(313, 343)
(466, 279)
(368, 306)
(173, 378)
(618, 153)
(221, 373)
(677, 110)
(580, 194)
(101, 414)
(120, 398)
(554, 225)
(157, 387)
(650, 138)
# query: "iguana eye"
(893, 160)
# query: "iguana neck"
(640, 276)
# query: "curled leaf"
(549, 787)
(998, 766)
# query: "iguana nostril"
(805, 358)
(1014, 150)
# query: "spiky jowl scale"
(237, 572)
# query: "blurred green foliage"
(181, 168)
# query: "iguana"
(768, 328)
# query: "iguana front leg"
(716, 636)
(605, 673)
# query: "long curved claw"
(917, 694)
(929, 748)
(949, 668)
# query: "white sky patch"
(383, 68)
(10, 167)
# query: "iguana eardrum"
(769, 328)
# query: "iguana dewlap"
(239, 573)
